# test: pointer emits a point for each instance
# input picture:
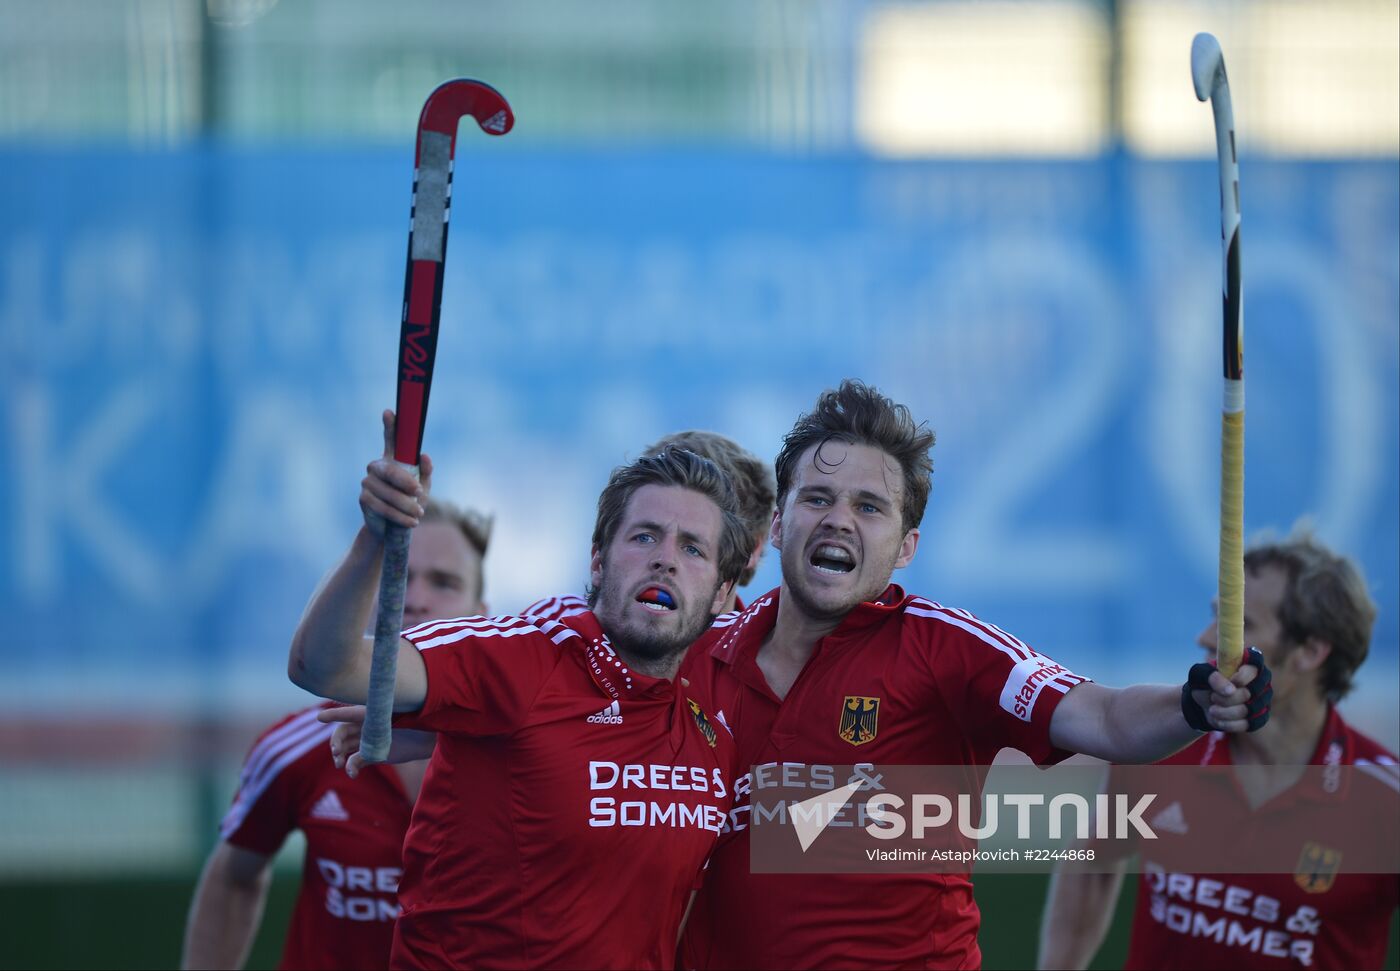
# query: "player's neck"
(795, 632)
(664, 668)
(790, 644)
(1290, 738)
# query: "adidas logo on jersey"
(611, 715)
(329, 807)
(1170, 820)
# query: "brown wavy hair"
(858, 414)
(1325, 597)
(675, 466)
(752, 478)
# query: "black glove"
(1261, 693)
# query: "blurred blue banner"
(196, 346)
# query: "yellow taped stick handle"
(1230, 619)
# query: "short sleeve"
(484, 673)
(281, 766)
(1000, 691)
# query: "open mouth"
(654, 598)
(832, 559)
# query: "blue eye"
(868, 507)
(694, 551)
(644, 538)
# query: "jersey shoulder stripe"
(272, 743)
(272, 762)
(727, 619)
(435, 634)
(464, 623)
(555, 608)
(732, 624)
(733, 617)
(541, 608)
(559, 632)
(989, 634)
(1380, 771)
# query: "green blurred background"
(138, 922)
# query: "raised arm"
(1147, 722)
(330, 656)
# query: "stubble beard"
(649, 648)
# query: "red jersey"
(1263, 920)
(344, 915)
(949, 690)
(568, 807)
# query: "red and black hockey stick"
(418, 335)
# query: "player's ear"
(754, 557)
(1311, 654)
(907, 548)
(775, 529)
(595, 568)
(721, 595)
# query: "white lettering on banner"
(269, 453)
(275, 453)
(996, 552)
(117, 305)
(381, 881)
(77, 499)
(1351, 436)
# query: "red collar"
(1334, 748)
(1334, 745)
(612, 675)
(606, 667)
(736, 644)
